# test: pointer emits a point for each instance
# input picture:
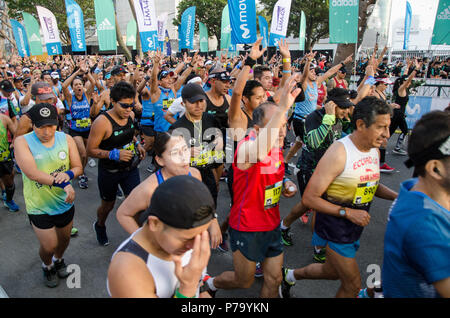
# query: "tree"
(316, 13)
(208, 12)
(16, 7)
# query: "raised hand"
(284, 48)
(255, 52)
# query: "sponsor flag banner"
(168, 46)
(225, 33)
(302, 33)
(147, 24)
(243, 21)
(280, 20)
(75, 22)
(264, 30)
(203, 37)
(106, 25)
(33, 33)
(131, 33)
(417, 107)
(441, 34)
(20, 35)
(162, 26)
(50, 30)
(408, 17)
(187, 29)
(343, 16)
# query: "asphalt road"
(20, 265)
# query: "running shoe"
(286, 237)
(83, 182)
(223, 247)
(259, 271)
(11, 205)
(91, 163)
(74, 231)
(319, 257)
(386, 169)
(120, 194)
(102, 238)
(363, 293)
(285, 288)
(400, 151)
(206, 286)
(224, 176)
(50, 277)
(61, 268)
(3, 195)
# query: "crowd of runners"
(202, 119)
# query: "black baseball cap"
(116, 70)
(343, 70)
(43, 114)
(7, 86)
(192, 93)
(340, 97)
(182, 202)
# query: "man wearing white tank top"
(341, 190)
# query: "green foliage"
(16, 7)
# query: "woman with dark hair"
(401, 97)
(172, 156)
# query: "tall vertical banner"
(302, 36)
(20, 35)
(264, 30)
(147, 24)
(441, 34)
(33, 33)
(106, 25)
(243, 21)
(162, 26)
(187, 29)
(343, 17)
(225, 33)
(168, 46)
(131, 33)
(203, 37)
(50, 30)
(408, 17)
(280, 20)
(75, 22)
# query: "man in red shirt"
(257, 185)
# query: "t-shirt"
(416, 245)
(177, 107)
(31, 103)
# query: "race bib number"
(4, 155)
(204, 158)
(167, 103)
(83, 123)
(272, 195)
(365, 192)
(130, 146)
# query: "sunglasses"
(123, 105)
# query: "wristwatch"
(342, 212)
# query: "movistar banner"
(187, 29)
(131, 33)
(280, 20)
(203, 37)
(302, 36)
(20, 35)
(344, 21)
(264, 30)
(50, 31)
(225, 33)
(147, 24)
(75, 23)
(441, 34)
(106, 25)
(408, 17)
(242, 21)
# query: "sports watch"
(342, 212)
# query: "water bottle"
(378, 290)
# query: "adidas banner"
(75, 22)
(20, 35)
(243, 21)
(33, 33)
(131, 33)
(187, 29)
(302, 36)
(203, 37)
(50, 31)
(106, 25)
(343, 17)
(147, 24)
(225, 32)
(441, 34)
(280, 20)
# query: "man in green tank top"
(6, 162)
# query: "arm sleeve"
(317, 131)
(427, 246)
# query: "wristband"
(287, 72)
(60, 185)
(114, 154)
(249, 61)
(342, 63)
(179, 295)
(70, 174)
(288, 60)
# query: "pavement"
(20, 265)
